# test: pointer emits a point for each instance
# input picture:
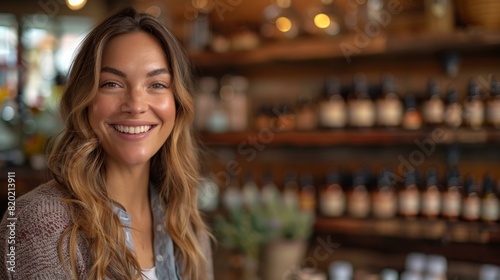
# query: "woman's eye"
(159, 86)
(110, 84)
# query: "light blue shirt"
(166, 266)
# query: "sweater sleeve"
(206, 247)
(30, 238)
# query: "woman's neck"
(128, 185)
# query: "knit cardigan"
(36, 226)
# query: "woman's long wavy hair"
(77, 160)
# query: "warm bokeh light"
(200, 4)
(322, 20)
(283, 24)
(76, 4)
(154, 11)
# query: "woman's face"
(133, 112)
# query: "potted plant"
(270, 228)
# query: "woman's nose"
(135, 102)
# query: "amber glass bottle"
(409, 196)
(384, 199)
(471, 210)
(358, 204)
(431, 196)
(452, 196)
(361, 108)
(307, 196)
(332, 197)
(490, 206)
(433, 107)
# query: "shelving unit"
(436, 230)
(456, 240)
(414, 57)
(377, 137)
(330, 48)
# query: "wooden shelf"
(421, 229)
(331, 48)
(378, 137)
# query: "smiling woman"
(134, 110)
(123, 204)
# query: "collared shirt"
(166, 266)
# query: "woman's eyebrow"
(113, 71)
(122, 74)
(157, 72)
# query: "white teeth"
(132, 129)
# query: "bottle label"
(307, 201)
(453, 116)
(494, 112)
(472, 208)
(359, 203)
(475, 113)
(390, 112)
(431, 202)
(332, 202)
(409, 202)
(333, 114)
(491, 210)
(451, 203)
(433, 111)
(362, 113)
(384, 204)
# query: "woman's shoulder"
(35, 224)
(48, 198)
(41, 209)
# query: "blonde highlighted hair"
(77, 160)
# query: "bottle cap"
(432, 177)
(474, 90)
(306, 180)
(410, 178)
(488, 184)
(495, 87)
(386, 178)
(340, 270)
(388, 84)
(452, 95)
(332, 177)
(489, 272)
(470, 185)
(436, 265)
(360, 83)
(332, 86)
(432, 88)
(389, 274)
(410, 102)
(410, 275)
(415, 262)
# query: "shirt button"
(158, 228)
(159, 258)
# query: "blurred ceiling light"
(154, 11)
(190, 13)
(76, 4)
(321, 20)
(283, 24)
(284, 3)
(200, 4)
(281, 20)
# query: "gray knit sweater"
(36, 226)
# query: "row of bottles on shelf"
(418, 266)
(384, 196)
(352, 107)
